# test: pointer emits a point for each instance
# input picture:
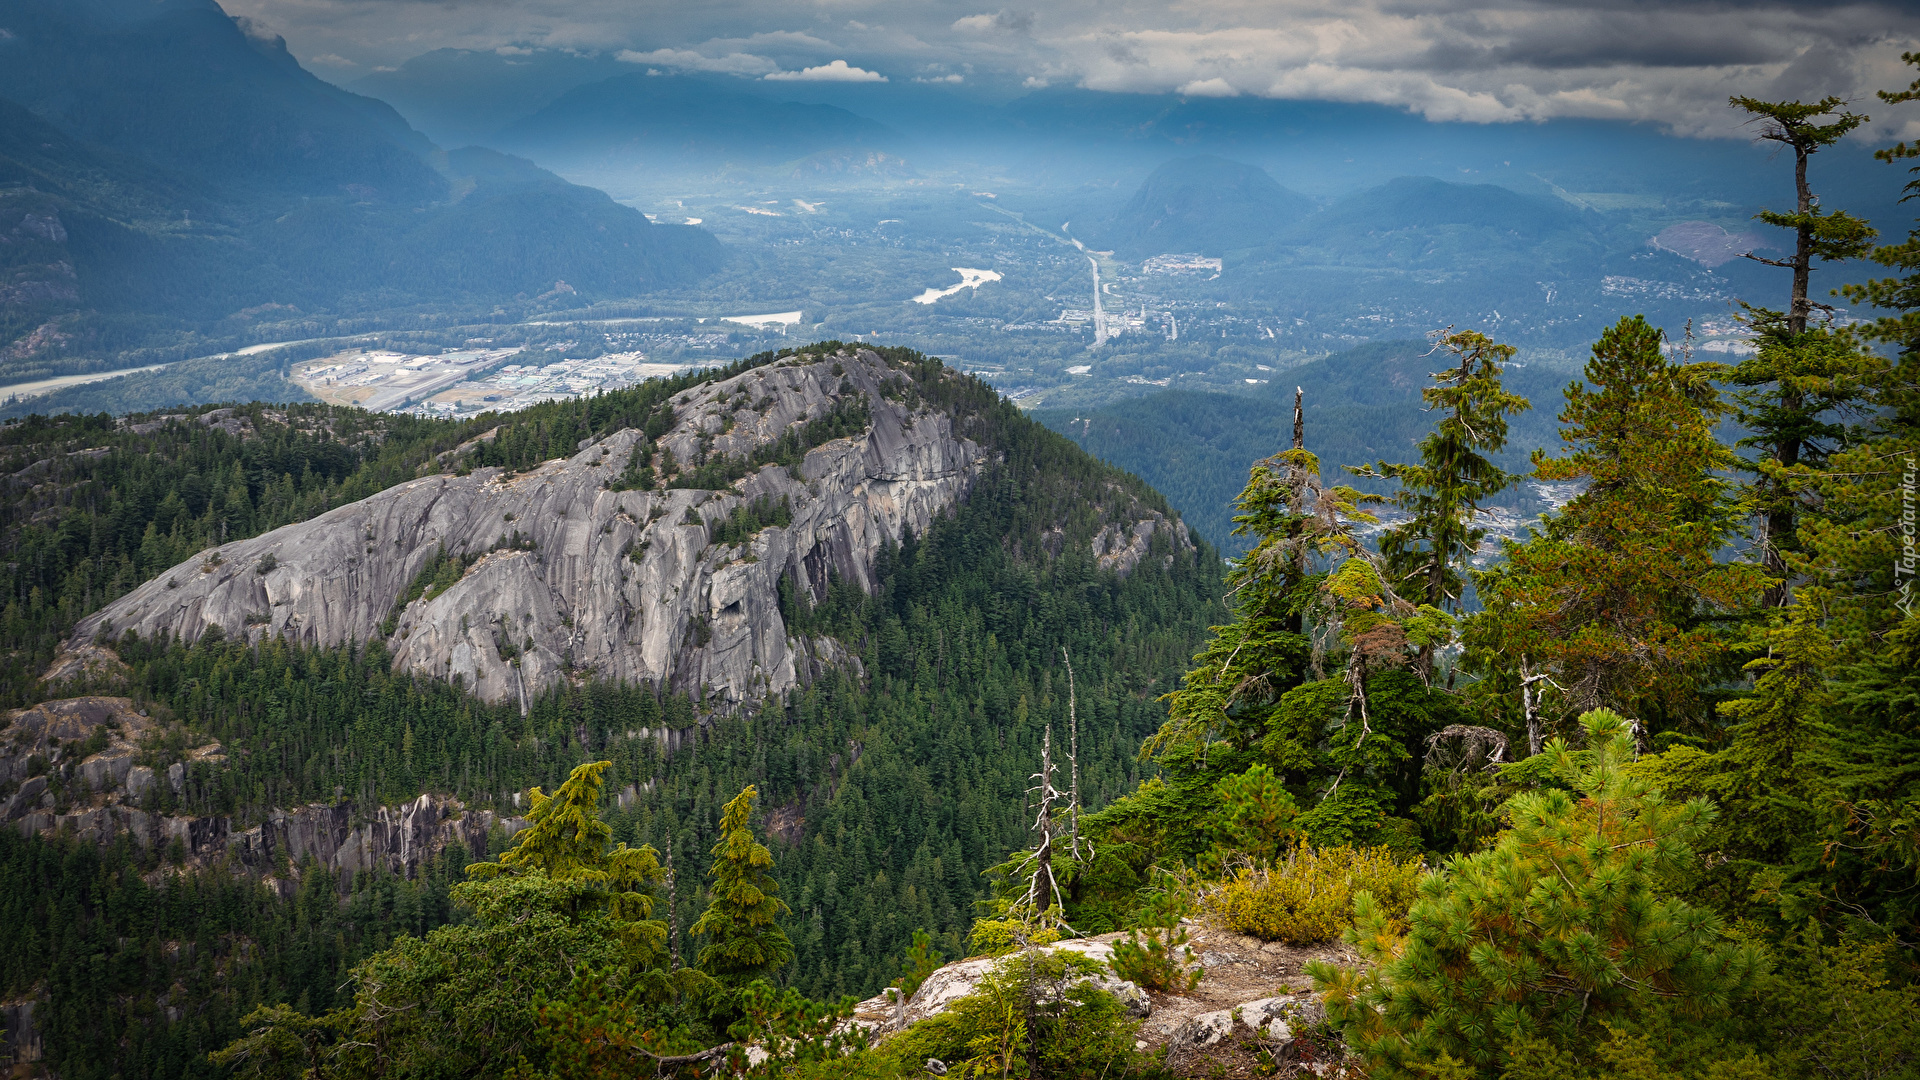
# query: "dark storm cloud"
(1674, 61)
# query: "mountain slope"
(561, 569)
(650, 118)
(891, 780)
(462, 96)
(200, 177)
(1203, 204)
(182, 84)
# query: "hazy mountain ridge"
(650, 119)
(246, 185)
(1204, 204)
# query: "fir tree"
(744, 938)
(1792, 394)
(1610, 597)
(567, 841)
(1443, 494)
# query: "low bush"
(1156, 955)
(1035, 1015)
(1307, 896)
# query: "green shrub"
(1549, 943)
(1308, 896)
(1035, 1015)
(1156, 955)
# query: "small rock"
(1204, 1030)
(1268, 1017)
(936, 1067)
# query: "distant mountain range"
(1204, 204)
(643, 118)
(166, 168)
(1362, 405)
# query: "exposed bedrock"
(625, 584)
(90, 768)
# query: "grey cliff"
(622, 584)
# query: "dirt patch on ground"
(1239, 970)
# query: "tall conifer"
(744, 938)
(1609, 596)
(1443, 495)
(1792, 394)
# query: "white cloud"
(1210, 88)
(837, 71)
(330, 60)
(939, 78)
(737, 63)
(1004, 21)
(513, 50)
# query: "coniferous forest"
(1635, 793)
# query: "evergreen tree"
(1558, 933)
(566, 841)
(1791, 395)
(1610, 598)
(744, 937)
(1443, 494)
(1294, 520)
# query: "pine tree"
(744, 937)
(1555, 935)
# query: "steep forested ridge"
(889, 792)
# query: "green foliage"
(99, 933)
(594, 1032)
(1155, 955)
(1034, 1015)
(744, 937)
(1307, 896)
(566, 840)
(1255, 813)
(921, 961)
(1615, 598)
(747, 519)
(1556, 932)
(440, 573)
(1444, 494)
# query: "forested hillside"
(1631, 792)
(1361, 405)
(892, 790)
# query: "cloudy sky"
(1674, 61)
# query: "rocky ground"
(1253, 1013)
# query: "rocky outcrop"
(885, 1013)
(88, 768)
(575, 576)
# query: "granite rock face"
(86, 749)
(626, 584)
